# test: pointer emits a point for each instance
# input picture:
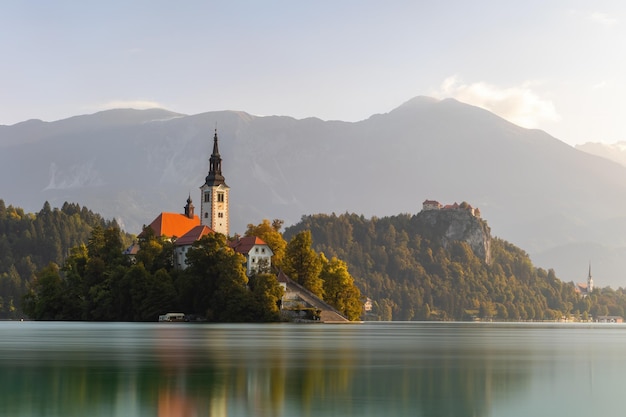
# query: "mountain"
(615, 152)
(536, 191)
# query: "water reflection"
(393, 369)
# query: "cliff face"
(457, 225)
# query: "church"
(187, 227)
(585, 289)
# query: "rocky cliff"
(446, 226)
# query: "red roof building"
(183, 243)
(257, 252)
(194, 234)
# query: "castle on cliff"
(436, 205)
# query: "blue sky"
(554, 65)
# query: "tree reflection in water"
(79, 369)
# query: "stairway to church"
(328, 313)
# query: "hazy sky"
(555, 65)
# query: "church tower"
(589, 281)
(214, 195)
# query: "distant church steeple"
(589, 281)
(214, 195)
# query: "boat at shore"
(173, 317)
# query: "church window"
(206, 215)
(220, 215)
(207, 197)
(220, 197)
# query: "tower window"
(206, 215)
(220, 215)
(220, 197)
(207, 197)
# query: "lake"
(371, 369)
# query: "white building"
(183, 244)
(258, 253)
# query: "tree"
(266, 294)
(146, 295)
(215, 280)
(339, 289)
(44, 301)
(302, 264)
(155, 252)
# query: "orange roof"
(173, 224)
(193, 235)
(244, 244)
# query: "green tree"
(147, 295)
(302, 264)
(215, 280)
(74, 271)
(266, 296)
(45, 299)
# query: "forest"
(30, 241)
(97, 281)
(67, 264)
(411, 275)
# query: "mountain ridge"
(536, 191)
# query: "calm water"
(378, 369)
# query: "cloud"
(602, 18)
(129, 104)
(600, 85)
(518, 104)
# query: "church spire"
(589, 281)
(214, 195)
(215, 176)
